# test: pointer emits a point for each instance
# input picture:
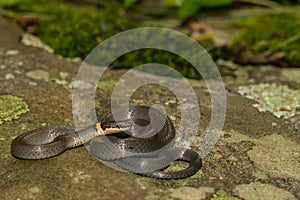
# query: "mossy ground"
(11, 107)
(222, 195)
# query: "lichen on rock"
(222, 195)
(280, 100)
(11, 107)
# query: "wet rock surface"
(256, 156)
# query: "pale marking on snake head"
(108, 131)
(115, 130)
(100, 131)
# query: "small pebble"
(68, 120)
(63, 75)
(12, 52)
(31, 40)
(9, 76)
(172, 118)
(182, 101)
(60, 82)
(38, 74)
(34, 189)
(32, 83)
(20, 63)
(191, 193)
(172, 101)
(82, 85)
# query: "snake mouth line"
(111, 127)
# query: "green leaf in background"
(215, 3)
(9, 2)
(99, 2)
(128, 3)
(172, 3)
(190, 7)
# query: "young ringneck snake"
(141, 149)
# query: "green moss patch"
(222, 195)
(11, 107)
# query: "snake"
(138, 139)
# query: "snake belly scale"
(51, 141)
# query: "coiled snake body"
(143, 148)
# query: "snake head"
(111, 127)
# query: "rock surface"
(256, 156)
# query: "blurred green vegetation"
(188, 8)
(73, 31)
(74, 28)
(140, 57)
(269, 34)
